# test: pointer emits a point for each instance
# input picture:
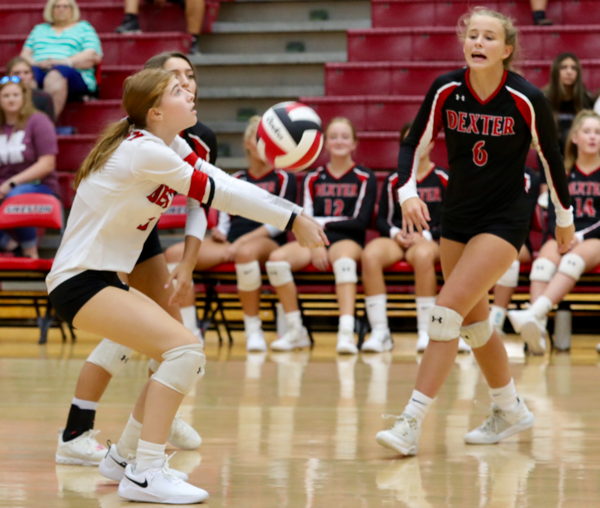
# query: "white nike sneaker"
(403, 437)
(463, 347)
(534, 335)
(256, 341)
(422, 342)
(345, 343)
(501, 424)
(518, 318)
(293, 339)
(380, 341)
(84, 450)
(183, 435)
(158, 484)
(113, 465)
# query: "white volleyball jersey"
(116, 207)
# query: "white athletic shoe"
(403, 437)
(113, 465)
(158, 484)
(422, 342)
(256, 341)
(84, 450)
(501, 424)
(183, 435)
(518, 318)
(534, 335)
(293, 339)
(380, 341)
(463, 347)
(345, 343)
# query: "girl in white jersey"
(124, 185)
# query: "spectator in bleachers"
(28, 148)
(505, 287)
(194, 15)
(340, 196)
(64, 53)
(422, 252)
(567, 93)
(553, 275)
(538, 9)
(243, 241)
(21, 68)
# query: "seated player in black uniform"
(553, 273)
(490, 116)
(505, 287)
(341, 197)
(245, 242)
(422, 252)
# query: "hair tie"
(129, 120)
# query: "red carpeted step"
(91, 117)
(435, 44)
(72, 150)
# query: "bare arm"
(86, 59)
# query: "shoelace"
(492, 421)
(166, 470)
(91, 442)
(412, 422)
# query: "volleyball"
(290, 136)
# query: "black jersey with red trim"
(487, 142)
(585, 195)
(431, 190)
(276, 182)
(343, 206)
(203, 141)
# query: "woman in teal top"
(63, 53)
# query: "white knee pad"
(153, 365)
(572, 265)
(248, 276)
(542, 270)
(181, 368)
(279, 272)
(511, 278)
(444, 324)
(477, 334)
(111, 356)
(344, 270)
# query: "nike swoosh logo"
(418, 402)
(143, 485)
(122, 464)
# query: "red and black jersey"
(203, 141)
(343, 206)
(487, 144)
(276, 182)
(585, 195)
(431, 190)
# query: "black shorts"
(336, 236)
(514, 233)
(152, 247)
(68, 298)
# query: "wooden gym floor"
(296, 430)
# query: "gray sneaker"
(501, 424)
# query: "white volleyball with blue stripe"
(290, 136)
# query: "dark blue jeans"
(27, 237)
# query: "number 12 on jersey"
(334, 207)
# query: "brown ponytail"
(142, 92)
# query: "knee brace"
(344, 271)
(279, 273)
(111, 356)
(181, 368)
(248, 276)
(477, 334)
(511, 278)
(542, 270)
(572, 265)
(444, 324)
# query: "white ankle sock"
(541, 307)
(128, 442)
(418, 405)
(252, 324)
(85, 404)
(424, 304)
(281, 323)
(346, 323)
(505, 398)
(294, 320)
(190, 318)
(497, 316)
(376, 306)
(147, 453)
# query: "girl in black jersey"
(555, 273)
(341, 197)
(245, 242)
(490, 116)
(422, 251)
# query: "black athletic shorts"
(336, 236)
(514, 233)
(152, 247)
(68, 298)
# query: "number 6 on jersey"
(480, 156)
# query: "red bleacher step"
(408, 78)
(401, 13)
(436, 44)
(91, 117)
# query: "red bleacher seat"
(72, 150)
(113, 77)
(34, 209)
(91, 117)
